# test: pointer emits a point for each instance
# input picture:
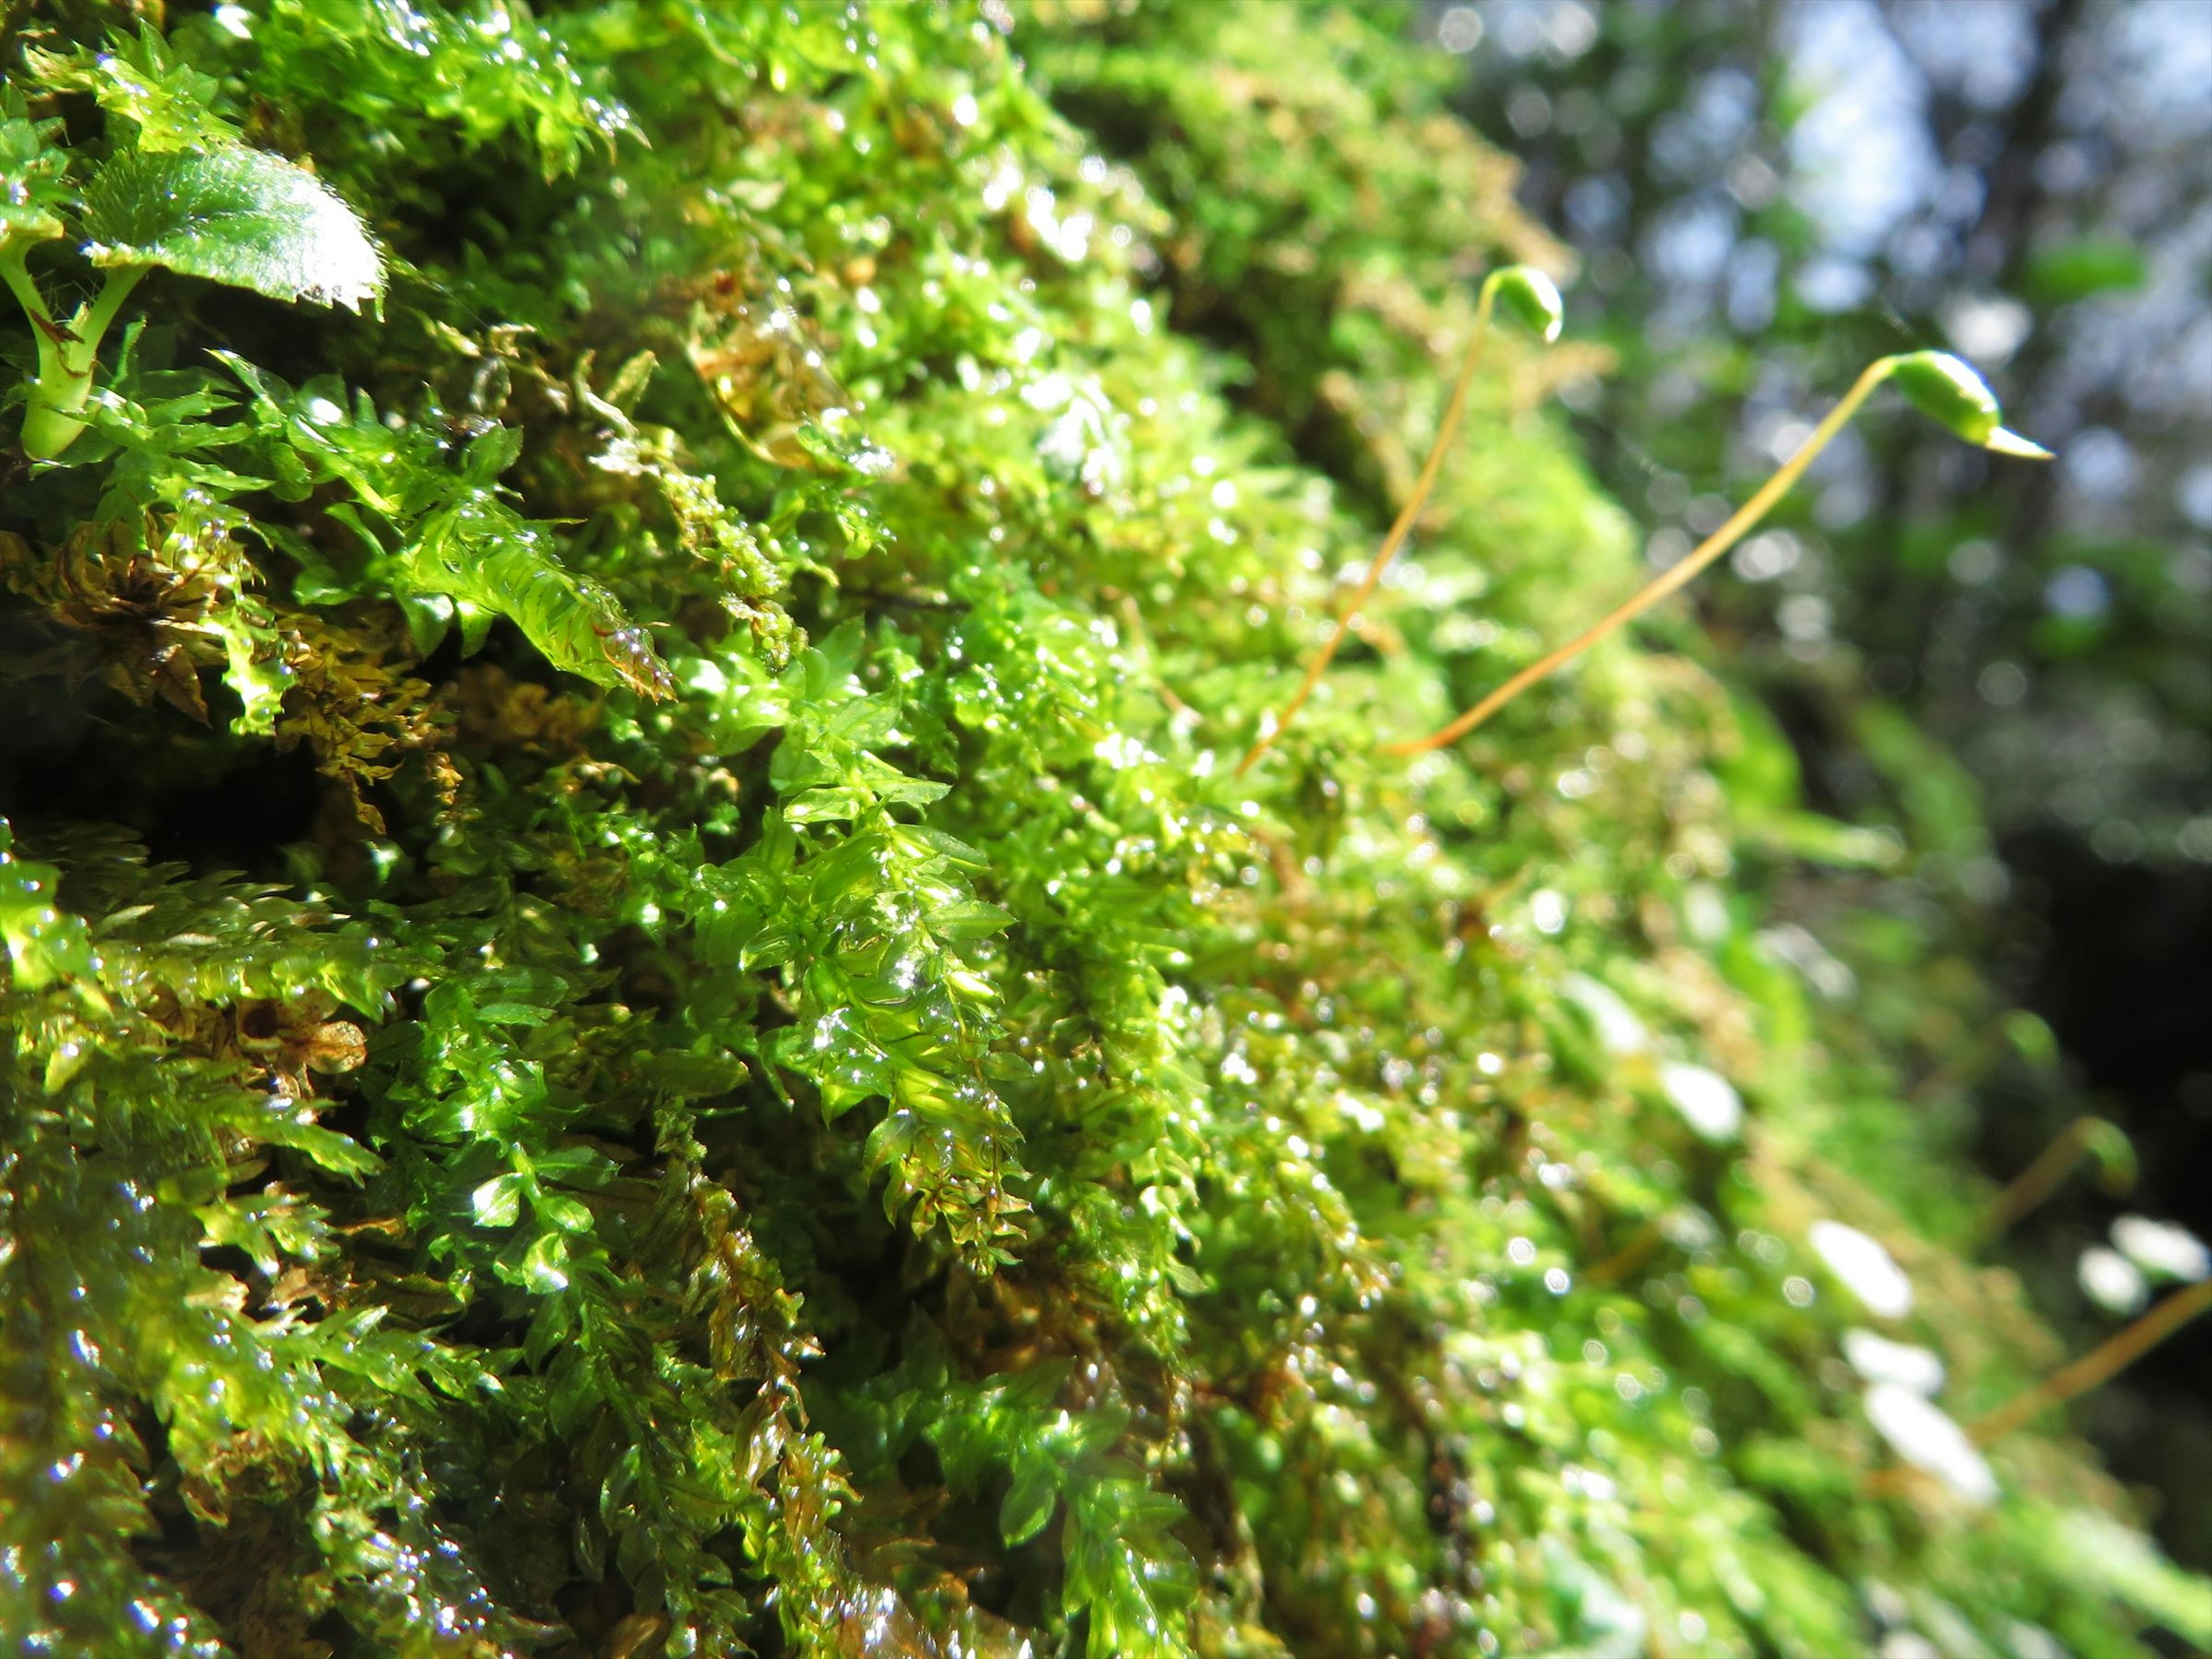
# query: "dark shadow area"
(2126, 983)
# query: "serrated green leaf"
(512, 1014)
(45, 943)
(693, 1077)
(489, 456)
(168, 102)
(255, 668)
(570, 1215)
(771, 947)
(835, 806)
(544, 1266)
(478, 552)
(920, 838)
(235, 216)
(1030, 1501)
(34, 188)
(968, 919)
(340, 1154)
(497, 1203)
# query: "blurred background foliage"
(2008, 666)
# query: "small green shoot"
(1530, 296)
(183, 192)
(1938, 385)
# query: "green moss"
(770, 1090)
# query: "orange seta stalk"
(2043, 1178)
(2102, 1363)
(1455, 409)
(1677, 576)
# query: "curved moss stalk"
(1939, 385)
(2087, 1136)
(2100, 1365)
(69, 353)
(1531, 296)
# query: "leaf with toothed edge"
(139, 80)
(445, 546)
(480, 553)
(235, 216)
(33, 176)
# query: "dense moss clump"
(648, 1015)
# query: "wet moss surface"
(648, 1016)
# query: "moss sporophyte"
(1939, 385)
(1533, 298)
(645, 1014)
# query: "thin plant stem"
(1626, 1260)
(2036, 1183)
(54, 415)
(17, 273)
(93, 324)
(1447, 430)
(2098, 1366)
(1675, 577)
